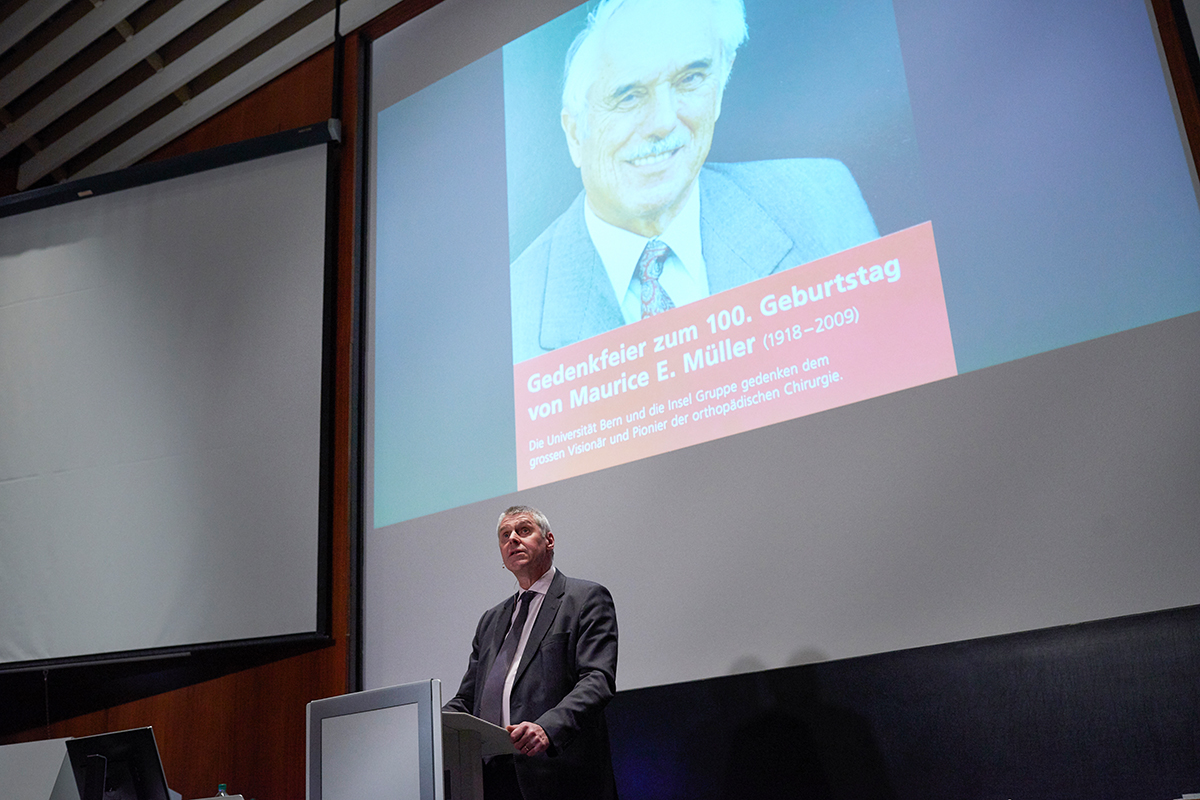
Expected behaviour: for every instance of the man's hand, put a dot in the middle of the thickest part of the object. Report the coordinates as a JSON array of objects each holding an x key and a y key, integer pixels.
[{"x": 528, "y": 738}]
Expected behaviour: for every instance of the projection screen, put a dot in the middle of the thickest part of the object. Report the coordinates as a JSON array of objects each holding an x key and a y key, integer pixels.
[
  {"x": 161, "y": 412},
  {"x": 963, "y": 411}
]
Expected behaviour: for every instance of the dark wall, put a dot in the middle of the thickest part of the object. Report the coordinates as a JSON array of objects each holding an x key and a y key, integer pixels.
[{"x": 1098, "y": 710}]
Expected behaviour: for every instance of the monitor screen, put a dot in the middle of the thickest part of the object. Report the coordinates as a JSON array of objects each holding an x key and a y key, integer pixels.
[{"x": 123, "y": 765}]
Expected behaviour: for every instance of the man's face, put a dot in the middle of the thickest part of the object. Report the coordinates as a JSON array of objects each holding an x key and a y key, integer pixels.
[
  {"x": 525, "y": 550},
  {"x": 651, "y": 108}
]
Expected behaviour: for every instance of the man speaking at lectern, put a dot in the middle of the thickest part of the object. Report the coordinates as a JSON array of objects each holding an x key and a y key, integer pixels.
[
  {"x": 656, "y": 227},
  {"x": 544, "y": 665}
]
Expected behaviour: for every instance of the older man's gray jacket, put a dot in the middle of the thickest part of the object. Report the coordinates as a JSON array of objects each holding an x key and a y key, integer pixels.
[{"x": 756, "y": 218}]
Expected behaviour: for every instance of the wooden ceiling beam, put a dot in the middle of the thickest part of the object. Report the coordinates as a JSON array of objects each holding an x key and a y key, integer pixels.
[
  {"x": 91, "y": 27},
  {"x": 139, "y": 46},
  {"x": 22, "y": 22},
  {"x": 175, "y": 75}
]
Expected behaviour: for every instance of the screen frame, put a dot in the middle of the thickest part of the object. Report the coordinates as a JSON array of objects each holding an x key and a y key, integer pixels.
[{"x": 194, "y": 656}]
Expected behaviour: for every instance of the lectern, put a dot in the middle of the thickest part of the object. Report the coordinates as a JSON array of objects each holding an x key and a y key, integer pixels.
[
  {"x": 466, "y": 742},
  {"x": 396, "y": 743}
]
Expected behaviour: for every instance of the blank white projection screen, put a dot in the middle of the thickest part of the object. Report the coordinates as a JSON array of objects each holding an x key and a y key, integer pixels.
[{"x": 160, "y": 412}]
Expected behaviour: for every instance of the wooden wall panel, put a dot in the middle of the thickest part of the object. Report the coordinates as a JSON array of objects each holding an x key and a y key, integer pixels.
[
  {"x": 302, "y": 96},
  {"x": 1175, "y": 34},
  {"x": 245, "y": 729}
]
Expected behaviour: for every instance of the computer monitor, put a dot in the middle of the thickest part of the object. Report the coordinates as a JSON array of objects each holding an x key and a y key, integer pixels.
[
  {"x": 383, "y": 744},
  {"x": 122, "y": 765}
]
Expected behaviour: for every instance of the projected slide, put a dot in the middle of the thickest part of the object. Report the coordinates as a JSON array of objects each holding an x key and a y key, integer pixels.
[
  {"x": 758, "y": 177},
  {"x": 846, "y": 216}
]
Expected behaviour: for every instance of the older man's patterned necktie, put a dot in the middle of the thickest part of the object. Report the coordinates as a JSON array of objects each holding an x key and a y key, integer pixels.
[
  {"x": 655, "y": 299},
  {"x": 492, "y": 700}
]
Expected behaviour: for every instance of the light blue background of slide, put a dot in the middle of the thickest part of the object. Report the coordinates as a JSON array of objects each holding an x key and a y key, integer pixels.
[
  {"x": 1061, "y": 198},
  {"x": 444, "y": 413}
]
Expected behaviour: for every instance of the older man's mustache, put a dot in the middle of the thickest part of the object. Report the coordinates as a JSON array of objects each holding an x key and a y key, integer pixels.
[{"x": 673, "y": 141}]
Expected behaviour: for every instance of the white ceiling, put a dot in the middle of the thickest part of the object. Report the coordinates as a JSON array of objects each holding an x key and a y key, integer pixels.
[{"x": 90, "y": 86}]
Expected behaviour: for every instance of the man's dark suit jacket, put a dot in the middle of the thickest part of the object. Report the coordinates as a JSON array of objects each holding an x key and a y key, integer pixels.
[
  {"x": 567, "y": 675},
  {"x": 756, "y": 218}
]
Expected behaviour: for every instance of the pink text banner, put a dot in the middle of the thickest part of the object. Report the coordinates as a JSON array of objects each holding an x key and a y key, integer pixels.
[{"x": 851, "y": 326}]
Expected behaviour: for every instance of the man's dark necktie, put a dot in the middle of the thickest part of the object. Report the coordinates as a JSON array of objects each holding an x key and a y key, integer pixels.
[
  {"x": 493, "y": 687},
  {"x": 655, "y": 299}
]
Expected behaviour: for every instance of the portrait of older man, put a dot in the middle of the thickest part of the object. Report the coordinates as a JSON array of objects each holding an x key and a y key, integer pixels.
[{"x": 655, "y": 226}]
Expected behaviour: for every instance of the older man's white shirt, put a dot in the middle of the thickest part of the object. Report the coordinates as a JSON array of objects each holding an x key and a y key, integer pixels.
[{"x": 684, "y": 276}]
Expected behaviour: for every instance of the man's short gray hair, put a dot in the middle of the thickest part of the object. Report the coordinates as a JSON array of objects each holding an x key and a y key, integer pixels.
[
  {"x": 729, "y": 24},
  {"x": 538, "y": 517}
]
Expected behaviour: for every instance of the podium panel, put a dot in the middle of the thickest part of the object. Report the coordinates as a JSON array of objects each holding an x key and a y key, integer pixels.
[{"x": 382, "y": 744}]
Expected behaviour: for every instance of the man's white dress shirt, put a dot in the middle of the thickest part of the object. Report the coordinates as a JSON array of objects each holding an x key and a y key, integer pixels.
[{"x": 539, "y": 587}]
